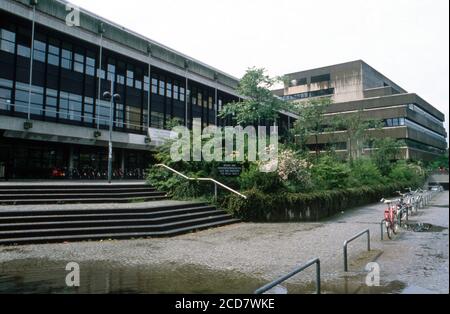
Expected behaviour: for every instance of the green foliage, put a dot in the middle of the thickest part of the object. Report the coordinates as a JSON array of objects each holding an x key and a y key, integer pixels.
[
  {"x": 284, "y": 207},
  {"x": 253, "y": 178},
  {"x": 329, "y": 173},
  {"x": 310, "y": 122},
  {"x": 365, "y": 172},
  {"x": 440, "y": 163},
  {"x": 386, "y": 152},
  {"x": 259, "y": 104},
  {"x": 407, "y": 173}
]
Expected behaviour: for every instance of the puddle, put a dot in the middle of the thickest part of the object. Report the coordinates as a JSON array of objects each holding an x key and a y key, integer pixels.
[
  {"x": 422, "y": 227},
  {"x": 45, "y": 276}
]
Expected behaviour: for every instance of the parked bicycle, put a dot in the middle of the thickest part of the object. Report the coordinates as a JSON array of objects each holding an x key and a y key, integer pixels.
[{"x": 391, "y": 218}]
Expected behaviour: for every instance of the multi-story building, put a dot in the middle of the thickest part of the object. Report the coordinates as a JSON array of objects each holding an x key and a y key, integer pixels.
[
  {"x": 53, "y": 117},
  {"x": 357, "y": 88}
]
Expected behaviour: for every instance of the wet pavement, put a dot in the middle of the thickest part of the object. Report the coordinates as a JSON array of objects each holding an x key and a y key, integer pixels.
[{"x": 241, "y": 258}]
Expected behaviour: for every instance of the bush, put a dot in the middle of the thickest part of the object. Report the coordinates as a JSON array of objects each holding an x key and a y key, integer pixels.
[
  {"x": 407, "y": 173},
  {"x": 329, "y": 173},
  {"x": 253, "y": 178},
  {"x": 365, "y": 172},
  {"x": 286, "y": 207}
]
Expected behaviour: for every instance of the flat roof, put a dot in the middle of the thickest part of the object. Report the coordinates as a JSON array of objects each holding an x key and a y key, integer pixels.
[{"x": 91, "y": 22}]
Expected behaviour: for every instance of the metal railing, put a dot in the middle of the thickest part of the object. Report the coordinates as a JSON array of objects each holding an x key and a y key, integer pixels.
[
  {"x": 293, "y": 273},
  {"x": 216, "y": 183},
  {"x": 346, "y": 243}
]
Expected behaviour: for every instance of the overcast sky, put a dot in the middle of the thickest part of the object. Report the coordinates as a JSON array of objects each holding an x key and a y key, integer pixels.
[{"x": 407, "y": 40}]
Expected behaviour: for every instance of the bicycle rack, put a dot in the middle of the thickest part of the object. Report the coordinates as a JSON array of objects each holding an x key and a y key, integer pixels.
[
  {"x": 382, "y": 229},
  {"x": 293, "y": 273},
  {"x": 346, "y": 243}
]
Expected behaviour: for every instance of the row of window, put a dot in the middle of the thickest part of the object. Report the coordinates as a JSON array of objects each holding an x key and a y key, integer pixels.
[{"x": 318, "y": 93}]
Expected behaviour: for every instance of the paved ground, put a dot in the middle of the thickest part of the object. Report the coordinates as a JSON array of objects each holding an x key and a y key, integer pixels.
[{"x": 417, "y": 262}]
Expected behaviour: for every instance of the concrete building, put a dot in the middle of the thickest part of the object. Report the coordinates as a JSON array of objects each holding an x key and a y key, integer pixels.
[
  {"x": 58, "y": 125},
  {"x": 357, "y": 88}
]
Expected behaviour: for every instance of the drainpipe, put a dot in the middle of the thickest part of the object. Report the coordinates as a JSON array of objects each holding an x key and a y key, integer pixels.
[
  {"x": 33, "y": 3},
  {"x": 101, "y": 30},
  {"x": 186, "y": 114},
  {"x": 149, "y": 50},
  {"x": 216, "y": 105}
]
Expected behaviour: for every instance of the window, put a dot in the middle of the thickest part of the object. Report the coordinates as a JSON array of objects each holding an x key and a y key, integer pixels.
[
  {"x": 175, "y": 91},
  {"x": 53, "y": 52},
  {"x": 121, "y": 72},
  {"x": 7, "y": 40},
  {"x": 130, "y": 78},
  {"x": 111, "y": 71},
  {"x": 321, "y": 78},
  {"x": 90, "y": 63},
  {"x": 169, "y": 90},
  {"x": 40, "y": 50},
  {"x": 182, "y": 95},
  {"x": 146, "y": 83},
  {"x": 5, "y": 94},
  {"x": 162, "y": 87},
  {"x": 79, "y": 63},
  {"x": 67, "y": 57},
  {"x": 138, "y": 79},
  {"x": 88, "y": 110},
  {"x": 154, "y": 86},
  {"x": 51, "y": 101}
]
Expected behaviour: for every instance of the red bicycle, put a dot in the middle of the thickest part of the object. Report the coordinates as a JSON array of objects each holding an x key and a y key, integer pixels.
[{"x": 390, "y": 218}]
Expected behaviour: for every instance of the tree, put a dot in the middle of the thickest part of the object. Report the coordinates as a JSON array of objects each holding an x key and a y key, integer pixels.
[
  {"x": 259, "y": 104},
  {"x": 310, "y": 122},
  {"x": 356, "y": 126},
  {"x": 386, "y": 152}
]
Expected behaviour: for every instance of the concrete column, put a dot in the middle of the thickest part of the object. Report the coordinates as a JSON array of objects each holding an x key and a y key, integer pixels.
[
  {"x": 123, "y": 160},
  {"x": 71, "y": 165}
]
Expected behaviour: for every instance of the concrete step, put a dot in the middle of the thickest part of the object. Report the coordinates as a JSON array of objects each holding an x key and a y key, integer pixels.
[
  {"x": 118, "y": 236},
  {"x": 84, "y": 195},
  {"x": 107, "y": 214},
  {"x": 87, "y": 222},
  {"x": 63, "y": 232},
  {"x": 82, "y": 200},
  {"x": 75, "y": 190}
]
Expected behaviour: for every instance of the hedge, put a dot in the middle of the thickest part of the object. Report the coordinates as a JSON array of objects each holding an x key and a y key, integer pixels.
[{"x": 291, "y": 207}]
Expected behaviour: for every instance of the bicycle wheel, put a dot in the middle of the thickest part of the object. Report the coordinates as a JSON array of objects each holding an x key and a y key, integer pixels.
[
  {"x": 389, "y": 230},
  {"x": 395, "y": 226}
]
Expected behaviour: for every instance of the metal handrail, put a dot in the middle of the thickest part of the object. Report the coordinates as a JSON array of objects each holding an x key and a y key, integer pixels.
[
  {"x": 293, "y": 273},
  {"x": 346, "y": 243},
  {"x": 216, "y": 183}
]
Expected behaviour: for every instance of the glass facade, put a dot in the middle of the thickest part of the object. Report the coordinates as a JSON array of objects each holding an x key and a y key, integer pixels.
[{"x": 67, "y": 79}]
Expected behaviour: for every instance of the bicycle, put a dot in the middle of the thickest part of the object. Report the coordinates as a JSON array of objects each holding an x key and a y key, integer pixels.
[{"x": 390, "y": 218}]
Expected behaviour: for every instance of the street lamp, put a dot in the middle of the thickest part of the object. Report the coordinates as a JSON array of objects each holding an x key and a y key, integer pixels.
[{"x": 111, "y": 97}]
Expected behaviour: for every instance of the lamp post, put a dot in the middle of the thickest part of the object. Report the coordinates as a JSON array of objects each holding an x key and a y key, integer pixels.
[{"x": 111, "y": 97}]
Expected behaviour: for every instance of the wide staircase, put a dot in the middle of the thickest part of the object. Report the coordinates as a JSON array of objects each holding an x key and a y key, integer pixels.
[{"x": 98, "y": 212}]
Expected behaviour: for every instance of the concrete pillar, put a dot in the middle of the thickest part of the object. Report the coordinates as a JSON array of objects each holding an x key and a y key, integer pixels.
[
  {"x": 123, "y": 160},
  {"x": 71, "y": 165}
]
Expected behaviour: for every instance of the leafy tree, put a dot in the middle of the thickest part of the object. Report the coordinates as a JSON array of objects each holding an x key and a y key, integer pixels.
[
  {"x": 440, "y": 162},
  {"x": 310, "y": 122},
  {"x": 329, "y": 173},
  {"x": 259, "y": 104},
  {"x": 386, "y": 152},
  {"x": 356, "y": 126},
  {"x": 365, "y": 172}
]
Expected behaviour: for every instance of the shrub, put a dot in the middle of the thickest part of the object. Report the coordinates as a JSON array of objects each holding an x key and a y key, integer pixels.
[
  {"x": 285, "y": 207},
  {"x": 329, "y": 173},
  {"x": 406, "y": 172},
  {"x": 365, "y": 172}
]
